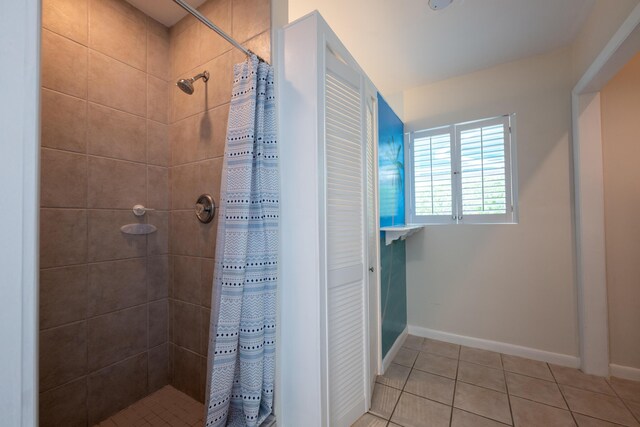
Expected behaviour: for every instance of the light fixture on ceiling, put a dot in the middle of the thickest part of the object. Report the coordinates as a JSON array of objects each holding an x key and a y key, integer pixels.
[{"x": 439, "y": 4}]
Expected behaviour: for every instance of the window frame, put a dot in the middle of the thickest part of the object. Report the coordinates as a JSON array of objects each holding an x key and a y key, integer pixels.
[{"x": 457, "y": 216}]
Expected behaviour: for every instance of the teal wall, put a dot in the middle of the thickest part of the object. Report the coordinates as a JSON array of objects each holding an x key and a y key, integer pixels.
[
  {"x": 393, "y": 296},
  {"x": 393, "y": 278}
]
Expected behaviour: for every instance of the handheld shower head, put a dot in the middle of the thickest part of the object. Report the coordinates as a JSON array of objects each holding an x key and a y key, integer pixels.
[{"x": 186, "y": 85}]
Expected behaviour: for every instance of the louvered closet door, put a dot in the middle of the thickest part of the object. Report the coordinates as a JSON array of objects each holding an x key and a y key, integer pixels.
[{"x": 345, "y": 245}]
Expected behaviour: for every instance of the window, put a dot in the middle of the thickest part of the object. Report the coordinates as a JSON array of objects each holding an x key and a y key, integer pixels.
[{"x": 463, "y": 173}]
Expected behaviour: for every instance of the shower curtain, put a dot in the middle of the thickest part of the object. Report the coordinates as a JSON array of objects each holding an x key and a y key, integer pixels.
[{"x": 241, "y": 363}]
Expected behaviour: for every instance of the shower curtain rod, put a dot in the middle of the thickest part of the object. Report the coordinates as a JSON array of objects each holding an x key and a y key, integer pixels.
[{"x": 200, "y": 17}]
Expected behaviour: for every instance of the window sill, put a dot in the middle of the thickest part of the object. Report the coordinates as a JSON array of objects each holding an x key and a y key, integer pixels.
[{"x": 401, "y": 232}]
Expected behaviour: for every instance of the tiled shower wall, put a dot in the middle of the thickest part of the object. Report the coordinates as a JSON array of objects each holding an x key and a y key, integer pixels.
[
  {"x": 103, "y": 294},
  {"x": 197, "y": 132}
]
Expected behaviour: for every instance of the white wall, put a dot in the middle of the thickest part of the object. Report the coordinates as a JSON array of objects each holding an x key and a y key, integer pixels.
[
  {"x": 508, "y": 283},
  {"x": 603, "y": 21}
]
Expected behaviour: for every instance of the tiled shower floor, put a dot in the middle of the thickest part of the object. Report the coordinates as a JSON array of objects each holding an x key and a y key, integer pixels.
[
  {"x": 432, "y": 383},
  {"x": 165, "y": 407}
]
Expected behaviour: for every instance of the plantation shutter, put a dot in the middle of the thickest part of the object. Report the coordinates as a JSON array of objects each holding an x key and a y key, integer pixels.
[
  {"x": 483, "y": 178},
  {"x": 432, "y": 170}
]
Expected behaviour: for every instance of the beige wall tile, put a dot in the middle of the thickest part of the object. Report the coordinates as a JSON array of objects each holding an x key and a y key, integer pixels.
[
  {"x": 63, "y": 179},
  {"x": 63, "y": 121},
  {"x": 158, "y": 322},
  {"x": 210, "y": 175},
  {"x": 115, "y": 285},
  {"x": 158, "y": 187},
  {"x": 65, "y": 405},
  {"x": 158, "y": 277},
  {"x": 67, "y": 18},
  {"x": 116, "y": 387},
  {"x": 184, "y": 139},
  {"x": 64, "y": 65},
  {"x": 213, "y": 131},
  {"x": 158, "y": 242},
  {"x": 183, "y": 105},
  {"x": 119, "y": 30},
  {"x": 63, "y": 354},
  {"x": 204, "y": 328},
  {"x": 107, "y": 242},
  {"x": 187, "y": 274},
  {"x": 113, "y": 133},
  {"x": 250, "y": 18},
  {"x": 157, "y": 99},
  {"x": 158, "y": 48},
  {"x": 260, "y": 45},
  {"x": 206, "y": 284},
  {"x": 158, "y": 148},
  {"x": 117, "y": 85},
  {"x": 211, "y": 44},
  {"x": 207, "y": 234},
  {"x": 184, "y": 186},
  {"x": 185, "y": 51},
  {"x": 63, "y": 237},
  {"x": 221, "y": 69},
  {"x": 116, "y": 336},
  {"x": 187, "y": 371},
  {"x": 63, "y": 295},
  {"x": 115, "y": 184},
  {"x": 186, "y": 320},
  {"x": 158, "y": 367}
]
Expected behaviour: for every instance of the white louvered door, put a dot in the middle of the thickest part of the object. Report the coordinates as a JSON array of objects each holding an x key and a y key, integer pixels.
[{"x": 347, "y": 356}]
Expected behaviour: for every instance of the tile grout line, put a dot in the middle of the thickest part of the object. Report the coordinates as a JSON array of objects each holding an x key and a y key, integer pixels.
[
  {"x": 637, "y": 418},
  {"x": 506, "y": 386},
  {"x": 455, "y": 386}
]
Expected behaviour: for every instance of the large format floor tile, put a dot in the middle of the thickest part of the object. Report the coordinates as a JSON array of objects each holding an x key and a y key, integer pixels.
[{"x": 432, "y": 383}]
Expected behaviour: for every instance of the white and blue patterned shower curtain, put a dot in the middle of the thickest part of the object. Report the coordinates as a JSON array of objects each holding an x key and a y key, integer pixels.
[{"x": 241, "y": 365}]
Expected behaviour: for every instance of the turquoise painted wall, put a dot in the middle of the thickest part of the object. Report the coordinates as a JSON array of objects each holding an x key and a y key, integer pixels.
[{"x": 393, "y": 258}]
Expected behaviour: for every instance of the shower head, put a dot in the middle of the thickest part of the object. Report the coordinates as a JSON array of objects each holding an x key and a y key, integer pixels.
[{"x": 186, "y": 85}]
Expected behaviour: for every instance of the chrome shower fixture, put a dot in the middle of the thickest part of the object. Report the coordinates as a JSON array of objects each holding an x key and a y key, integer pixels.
[{"x": 186, "y": 85}]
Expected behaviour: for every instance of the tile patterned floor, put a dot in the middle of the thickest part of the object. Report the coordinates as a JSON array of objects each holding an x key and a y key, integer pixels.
[
  {"x": 433, "y": 383},
  {"x": 165, "y": 407}
]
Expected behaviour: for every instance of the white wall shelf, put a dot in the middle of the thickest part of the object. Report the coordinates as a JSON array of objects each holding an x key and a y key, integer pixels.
[{"x": 401, "y": 232}]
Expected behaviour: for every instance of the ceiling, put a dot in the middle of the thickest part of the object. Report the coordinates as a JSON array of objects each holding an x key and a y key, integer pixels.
[
  {"x": 164, "y": 11},
  {"x": 403, "y": 43}
]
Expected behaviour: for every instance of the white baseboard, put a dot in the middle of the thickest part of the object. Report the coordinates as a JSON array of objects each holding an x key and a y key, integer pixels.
[
  {"x": 393, "y": 351},
  {"x": 501, "y": 347},
  {"x": 626, "y": 372}
]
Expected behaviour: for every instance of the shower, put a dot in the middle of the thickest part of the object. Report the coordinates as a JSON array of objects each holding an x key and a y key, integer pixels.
[{"x": 186, "y": 85}]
